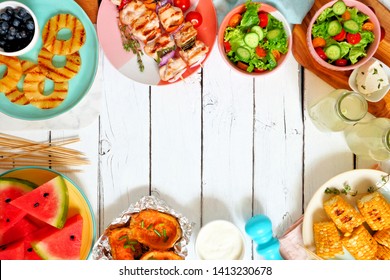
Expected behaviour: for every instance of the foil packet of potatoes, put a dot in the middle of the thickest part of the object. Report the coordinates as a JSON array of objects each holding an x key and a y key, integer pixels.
[{"x": 102, "y": 249}]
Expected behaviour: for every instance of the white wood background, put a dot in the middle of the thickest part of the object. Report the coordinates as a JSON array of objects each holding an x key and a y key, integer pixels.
[{"x": 215, "y": 146}]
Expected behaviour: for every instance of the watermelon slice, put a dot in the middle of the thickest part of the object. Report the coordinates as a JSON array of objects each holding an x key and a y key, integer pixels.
[
  {"x": 62, "y": 244},
  {"x": 21, "y": 229},
  {"x": 10, "y": 189},
  {"x": 12, "y": 251},
  {"x": 29, "y": 253},
  {"x": 48, "y": 202}
]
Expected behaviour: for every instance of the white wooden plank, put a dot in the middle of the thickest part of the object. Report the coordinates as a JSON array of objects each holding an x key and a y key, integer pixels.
[
  {"x": 124, "y": 144},
  {"x": 176, "y": 146},
  {"x": 326, "y": 153},
  {"x": 278, "y": 146},
  {"x": 227, "y": 145},
  {"x": 86, "y": 179}
]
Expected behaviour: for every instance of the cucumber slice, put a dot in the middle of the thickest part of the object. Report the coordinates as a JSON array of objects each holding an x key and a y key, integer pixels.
[
  {"x": 334, "y": 28},
  {"x": 274, "y": 34},
  {"x": 259, "y": 31},
  {"x": 351, "y": 26},
  {"x": 251, "y": 39},
  {"x": 339, "y": 8},
  {"x": 333, "y": 52},
  {"x": 243, "y": 53}
]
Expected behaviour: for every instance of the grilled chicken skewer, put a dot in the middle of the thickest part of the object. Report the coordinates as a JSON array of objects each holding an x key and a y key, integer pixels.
[{"x": 174, "y": 46}]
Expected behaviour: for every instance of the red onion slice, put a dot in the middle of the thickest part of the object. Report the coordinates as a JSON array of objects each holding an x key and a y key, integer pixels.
[{"x": 165, "y": 58}]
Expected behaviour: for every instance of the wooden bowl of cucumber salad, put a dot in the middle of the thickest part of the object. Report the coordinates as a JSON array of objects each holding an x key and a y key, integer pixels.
[
  {"x": 343, "y": 35},
  {"x": 254, "y": 39}
]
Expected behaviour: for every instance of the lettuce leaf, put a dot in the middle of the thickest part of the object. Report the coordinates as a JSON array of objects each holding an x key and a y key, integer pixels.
[
  {"x": 235, "y": 37},
  {"x": 357, "y": 16},
  {"x": 325, "y": 15},
  {"x": 320, "y": 30},
  {"x": 355, "y": 53},
  {"x": 250, "y": 17}
]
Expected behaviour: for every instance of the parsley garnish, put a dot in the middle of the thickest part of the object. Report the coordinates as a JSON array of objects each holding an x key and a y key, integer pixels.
[
  {"x": 384, "y": 180},
  {"x": 346, "y": 190},
  {"x": 131, "y": 44}
]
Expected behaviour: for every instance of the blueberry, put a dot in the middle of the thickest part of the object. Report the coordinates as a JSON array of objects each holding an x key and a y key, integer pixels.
[
  {"x": 18, "y": 36},
  {"x": 2, "y": 43},
  {"x": 26, "y": 17},
  {"x": 23, "y": 34},
  {"x": 9, "y": 10},
  {"x": 16, "y": 22},
  {"x": 12, "y": 31},
  {"x": 4, "y": 25},
  {"x": 10, "y": 37},
  {"x": 22, "y": 12},
  {"x": 5, "y": 16},
  {"x": 30, "y": 25}
]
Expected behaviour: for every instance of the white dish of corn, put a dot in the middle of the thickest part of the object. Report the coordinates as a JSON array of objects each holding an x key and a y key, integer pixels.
[{"x": 349, "y": 217}]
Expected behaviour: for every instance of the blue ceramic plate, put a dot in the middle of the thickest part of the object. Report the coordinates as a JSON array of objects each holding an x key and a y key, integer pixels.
[{"x": 78, "y": 85}]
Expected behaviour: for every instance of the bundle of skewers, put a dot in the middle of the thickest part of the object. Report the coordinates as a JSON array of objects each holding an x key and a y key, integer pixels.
[
  {"x": 160, "y": 29},
  {"x": 18, "y": 152}
]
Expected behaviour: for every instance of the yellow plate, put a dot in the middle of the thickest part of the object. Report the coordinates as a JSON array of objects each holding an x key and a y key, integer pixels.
[{"x": 78, "y": 203}]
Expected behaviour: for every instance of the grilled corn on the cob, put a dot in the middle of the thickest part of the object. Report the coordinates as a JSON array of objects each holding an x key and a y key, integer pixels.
[
  {"x": 383, "y": 237},
  {"x": 383, "y": 253},
  {"x": 327, "y": 240},
  {"x": 343, "y": 214},
  {"x": 376, "y": 210},
  {"x": 361, "y": 244}
]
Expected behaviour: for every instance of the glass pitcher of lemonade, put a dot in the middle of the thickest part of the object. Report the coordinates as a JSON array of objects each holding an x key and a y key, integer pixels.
[
  {"x": 338, "y": 110},
  {"x": 370, "y": 139}
]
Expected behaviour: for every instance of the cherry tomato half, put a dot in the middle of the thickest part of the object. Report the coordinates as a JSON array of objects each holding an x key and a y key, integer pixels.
[
  {"x": 341, "y": 36},
  {"x": 321, "y": 53},
  {"x": 123, "y": 4},
  {"x": 341, "y": 62},
  {"x": 353, "y": 39},
  {"x": 184, "y": 5},
  {"x": 235, "y": 20},
  {"x": 227, "y": 46},
  {"x": 260, "y": 52},
  {"x": 242, "y": 65},
  {"x": 263, "y": 17},
  {"x": 195, "y": 18},
  {"x": 259, "y": 70}
]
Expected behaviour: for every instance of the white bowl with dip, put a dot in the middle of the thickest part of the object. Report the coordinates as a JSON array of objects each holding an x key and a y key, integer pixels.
[
  {"x": 373, "y": 96},
  {"x": 220, "y": 240}
]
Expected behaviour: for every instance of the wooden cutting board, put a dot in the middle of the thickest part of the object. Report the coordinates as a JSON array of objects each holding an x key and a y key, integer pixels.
[
  {"x": 90, "y": 7},
  {"x": 339, "y": 79}
]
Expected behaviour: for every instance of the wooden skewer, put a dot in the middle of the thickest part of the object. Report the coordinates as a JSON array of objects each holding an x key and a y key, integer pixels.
[
  {"x": 52, "y": 160},
  {"x": 16, "y": 152},
  {"x": 57, "y": 168},
  {"x": 46, "y": 157},
  {"x": 34, "y": 148},
  {"x": 310, "y": 253}
]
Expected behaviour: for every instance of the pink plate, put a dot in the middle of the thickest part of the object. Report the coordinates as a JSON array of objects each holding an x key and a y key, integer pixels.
[
  {"x": 371, "y": 49},
  {"x": 126, "y": 62}
]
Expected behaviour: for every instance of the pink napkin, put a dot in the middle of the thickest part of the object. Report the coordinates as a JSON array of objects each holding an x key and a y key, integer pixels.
[{"x": 291, "y": 242}]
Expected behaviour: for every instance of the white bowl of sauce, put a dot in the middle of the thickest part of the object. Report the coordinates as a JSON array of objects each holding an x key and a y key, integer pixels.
[{"x": 220, "y": 240}]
